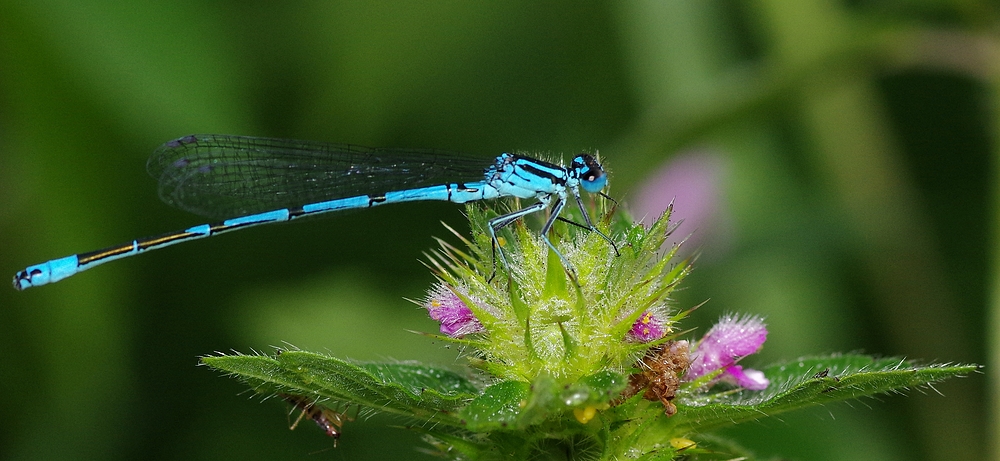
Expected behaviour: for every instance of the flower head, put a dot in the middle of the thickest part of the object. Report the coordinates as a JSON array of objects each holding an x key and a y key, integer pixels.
[
  {"x": 456, "y": 318},
  {"x": 561, "y": 312},
  {"x": 730, "y": 340}
]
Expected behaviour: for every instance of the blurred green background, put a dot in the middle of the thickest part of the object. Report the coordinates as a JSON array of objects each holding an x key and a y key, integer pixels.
[{"x": 856, "y": 182}]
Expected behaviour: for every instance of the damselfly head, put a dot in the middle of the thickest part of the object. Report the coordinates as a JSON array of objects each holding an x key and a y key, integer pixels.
[{"x": 591, "y": 174}]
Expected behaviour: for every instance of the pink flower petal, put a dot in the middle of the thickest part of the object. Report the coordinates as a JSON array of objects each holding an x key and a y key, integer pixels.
[
  {"x": 648, "y": 327},
  {"x": 731, "y": 339},
  {"x": 748, "y": 378},
  {"x": 456, "y": 318}
]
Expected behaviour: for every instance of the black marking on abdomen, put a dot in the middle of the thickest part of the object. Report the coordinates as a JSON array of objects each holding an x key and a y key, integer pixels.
[
  {"x": 373, "y": 199},
  {"x": 134, "y": 246},
  {"x": 87, "y": 258},
  {"x": 167, "y": 239},
  {"x": 462, "y": 187}
]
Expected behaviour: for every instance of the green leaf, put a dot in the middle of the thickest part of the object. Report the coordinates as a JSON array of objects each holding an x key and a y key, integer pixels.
[
  {"x": 509, "y": 405},
  {"x": 498, "y": 407},
  {"x": 408, "y": 389},
  {"x": 418, "y": 378},
  {"x": 600, "y": 387},
  {"x": 555, "y": 276},
  {"x": 807, "y": 382},
  {"x": 512, "y": 405}
]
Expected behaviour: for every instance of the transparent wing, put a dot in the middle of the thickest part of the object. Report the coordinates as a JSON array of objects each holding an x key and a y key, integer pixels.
[{"x": 222, "y": 176}]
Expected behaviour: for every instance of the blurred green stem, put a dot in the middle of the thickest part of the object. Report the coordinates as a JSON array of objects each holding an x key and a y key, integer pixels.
[
  {"x": 993, "y": 308},
  {"x": 855, "y": 154},
  {"x": 823, "y": 61},
  {"x": 678, "y": 119}
]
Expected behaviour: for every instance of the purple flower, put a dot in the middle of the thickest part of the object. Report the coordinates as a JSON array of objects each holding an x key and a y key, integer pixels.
[
  {"x": 730, "y": 340},
  {"x": 694, "y": 181},
  {"x": 749, "y": 378},
  {"x": 456, "y": 318},
  {"x": 648, "y": 327}
]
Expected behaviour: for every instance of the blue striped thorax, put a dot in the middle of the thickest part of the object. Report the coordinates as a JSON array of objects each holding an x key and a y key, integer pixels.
[{"x": 525, "y": 177}]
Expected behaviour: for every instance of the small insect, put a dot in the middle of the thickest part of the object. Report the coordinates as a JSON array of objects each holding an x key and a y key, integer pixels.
[
  {"x": 328, "y": 420},
  {"x": 662, "y": 366}
]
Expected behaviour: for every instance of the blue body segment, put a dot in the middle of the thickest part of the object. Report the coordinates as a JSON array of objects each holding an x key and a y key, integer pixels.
[{"x": 264, "y": 180}]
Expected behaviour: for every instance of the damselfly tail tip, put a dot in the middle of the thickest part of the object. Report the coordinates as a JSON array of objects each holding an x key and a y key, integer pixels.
[
  {"x": 47, "y": 272},
  {"x": 22, "y": 280}
]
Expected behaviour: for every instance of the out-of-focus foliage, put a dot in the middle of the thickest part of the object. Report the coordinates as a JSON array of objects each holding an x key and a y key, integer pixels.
[{"x": 852, "y": 142}]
